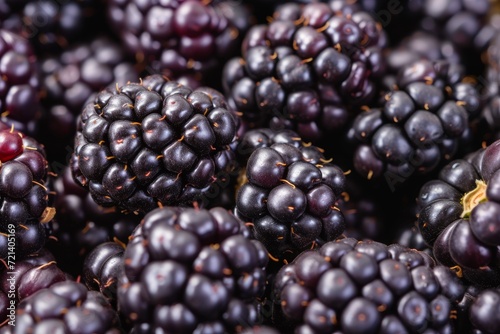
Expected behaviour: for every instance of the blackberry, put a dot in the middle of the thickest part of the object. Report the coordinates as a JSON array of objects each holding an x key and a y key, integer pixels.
[
  {"x": 102, "y": 267},
  {"x": 65, "y": 307},
  {"x": 290, "y": 193},
  {"x": 70, "y": 78},
  {"x": 179, "y": 257},
  {"x": 19, "y": 96},
  {"x": 153, "y": 143},
  {"x": 484, "y": 310},
  {"x": 26, "y": 277},
  {"x": 25, "y": 214},
  {"x": 184, "y": 40},
  {"x": 80, "y": 225},
  {"x": 308, "y": 69},
  {"x": 458, "y": 217},
  {"x": 419, "y": 127},
  {"x": 352, "y": 286}
]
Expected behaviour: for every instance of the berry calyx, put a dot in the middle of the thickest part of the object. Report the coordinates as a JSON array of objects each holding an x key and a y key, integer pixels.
[{"x": 473, "y": 198}]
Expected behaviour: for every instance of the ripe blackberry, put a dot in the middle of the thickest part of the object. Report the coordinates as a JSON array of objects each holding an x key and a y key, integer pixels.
[
  {"x": 352, "y": 286},
  {"x": 307, "y": 69},
  {"x": 19, "y": 95},
  {"x": 102, "y": 268},
  {"x": 191, "y": 270},
  {"x": 153, "y": 143},
  {"x": 65, "y": 307},
  {"x": 458, "y": 216},
  {"x": 289, "y": 194},
  {"x": 37, "y": 271},
  {"x": 25, "y": 213},
  {"x": 80, "y": 225},
  {"x": 181, "y": 39},
  {"x": 420, "y": 125},
  {"x": 70, "y": 78}
]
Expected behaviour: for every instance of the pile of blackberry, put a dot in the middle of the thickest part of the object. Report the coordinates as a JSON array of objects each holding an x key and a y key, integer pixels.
[
  {"x": 246, "y": 167},
  {"x": 307, "y": 69}
]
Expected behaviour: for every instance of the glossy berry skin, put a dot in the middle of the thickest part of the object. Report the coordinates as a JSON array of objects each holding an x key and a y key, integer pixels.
[
  {"x": 20, "y": 73},
  {"x": 183, "y": 40},
  {"x": 307, "y": 68},
  {"x": 153, "y": 143},
  {"x": 290, "y": 193},
  {"x": 102, "y": 268},
  {"x": 179, "y": 257},
  {"x": 36, "y": 272},
  {"x": 420, "y": 125},
  {"x": 66, "y": 307},
  {"x": 25, "y": 211},
  {"x": 70, "y": 78},
  {"x": 353, "y": 286},
  {"x": 483, "y": 311},
  {"x": 459, "y": 215}
]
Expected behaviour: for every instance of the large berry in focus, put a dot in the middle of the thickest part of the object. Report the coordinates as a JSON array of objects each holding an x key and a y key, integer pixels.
[
  {"x": 353, "y": 286},
  {"x": 192, "y": 270},
  {"x": 153, "y": 143},
  {"x": 289, "y": 193}
]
